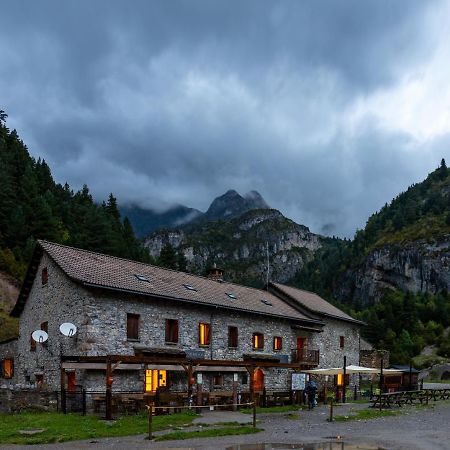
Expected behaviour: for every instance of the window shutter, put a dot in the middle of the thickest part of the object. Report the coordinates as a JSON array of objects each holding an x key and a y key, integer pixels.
[
  {"x": 32, "y": 344},
  {"x": 44, "y": 276},
  {"x": 133, "y": 326},
  {"x": 208, "y": 334},
  {"x": 168, "y": 331},
  {"x": 175, "y": 331}
]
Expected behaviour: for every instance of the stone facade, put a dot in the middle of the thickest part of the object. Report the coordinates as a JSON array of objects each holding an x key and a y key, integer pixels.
[
  {"x": 101, "y": 318},
  {"x": 8, "y": 349}
]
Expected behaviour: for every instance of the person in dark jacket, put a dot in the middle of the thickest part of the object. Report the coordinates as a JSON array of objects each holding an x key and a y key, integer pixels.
[{"x": 310, "y": 391}]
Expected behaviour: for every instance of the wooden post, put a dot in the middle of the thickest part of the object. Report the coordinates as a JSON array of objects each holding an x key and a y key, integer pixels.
[
  {"x": 63, "y": 390},
  {"x": 343, "y": 381},
  {"x": 355, "y": 393},
  {"x": 410, "y": 375},
  {"x": 426, "y": 396},
  {"x": 251, "y": 371},
  {"x": 235, "y": 393},
  {"x": 150, "y": 421},
  {"x": 254, "y": 415},
  {"x": 83, "y": 399},
  {"x": 331, "y": 409},
  {"x": 108, "y": 396},
  {"x": 189, "y": 376},
  {"x": 199, "y": 394}
]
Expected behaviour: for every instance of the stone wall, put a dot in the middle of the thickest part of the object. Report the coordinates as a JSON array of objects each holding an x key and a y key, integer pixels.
[
  {"x": 12, "y": 400},
  {"x": 372, "y": 358}
]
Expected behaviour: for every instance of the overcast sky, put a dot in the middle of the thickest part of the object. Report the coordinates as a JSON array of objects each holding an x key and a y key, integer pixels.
[{"x": 327, "y": 108}]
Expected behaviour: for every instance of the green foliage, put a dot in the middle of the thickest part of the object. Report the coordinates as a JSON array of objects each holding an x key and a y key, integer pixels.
[
  {"x": 404, "y": 323},
  {"x": 69, "y": 427},
  {"x": 211, "y": 432},
  {"x": 33, "y": 206}
]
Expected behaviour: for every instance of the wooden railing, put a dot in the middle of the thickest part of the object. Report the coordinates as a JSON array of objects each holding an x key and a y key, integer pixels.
[{"x": 305, "y": 356}]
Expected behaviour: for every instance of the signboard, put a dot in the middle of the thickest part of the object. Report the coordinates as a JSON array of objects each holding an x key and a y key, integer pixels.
[
  {"x": 199, "y": 378},
  {"x": 298, "y": 381},
  {"x": 235, "y": 377}
]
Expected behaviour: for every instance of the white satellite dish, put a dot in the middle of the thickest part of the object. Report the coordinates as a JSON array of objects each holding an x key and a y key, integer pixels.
[
  {"x": 39, "y": 336},
  {"x": 68, "y": 329}
]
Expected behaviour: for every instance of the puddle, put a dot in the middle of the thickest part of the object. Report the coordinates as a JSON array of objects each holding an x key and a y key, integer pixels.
[{"x": 315, "y": 446}]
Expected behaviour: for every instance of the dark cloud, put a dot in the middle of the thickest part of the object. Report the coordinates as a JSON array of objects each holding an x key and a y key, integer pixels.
[{"x": 163, "y": 102}]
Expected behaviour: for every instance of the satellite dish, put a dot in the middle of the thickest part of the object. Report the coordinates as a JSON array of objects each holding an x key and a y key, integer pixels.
[
  {"x": 39, "y": 336},
  {"x": 68, "y": 329}
]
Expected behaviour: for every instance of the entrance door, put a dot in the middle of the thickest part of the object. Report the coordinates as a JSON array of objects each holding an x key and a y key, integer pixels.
[
  {"x": 258, "y": 380},
  {"x": 71, "y": 381}
]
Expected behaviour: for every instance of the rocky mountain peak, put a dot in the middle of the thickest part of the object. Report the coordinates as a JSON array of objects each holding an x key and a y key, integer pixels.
[{"x": 232, "y": 204}]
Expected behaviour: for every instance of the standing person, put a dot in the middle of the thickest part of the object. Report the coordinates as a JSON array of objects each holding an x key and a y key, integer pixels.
[{"x": 310, "y": 391}]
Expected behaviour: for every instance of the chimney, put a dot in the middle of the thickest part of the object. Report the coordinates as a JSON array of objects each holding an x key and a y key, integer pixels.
[{"x": 215, "y": 273}]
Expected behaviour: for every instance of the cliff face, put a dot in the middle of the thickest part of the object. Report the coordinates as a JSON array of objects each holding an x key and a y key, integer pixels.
[
  {"x": 418, "y": 266},
  {"x": 240, "y": 246}
]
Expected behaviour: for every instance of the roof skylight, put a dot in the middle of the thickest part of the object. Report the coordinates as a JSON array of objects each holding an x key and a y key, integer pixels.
[
  {"x": 231, "y": 295},
  {"x": 266, "y": 302},
  {"x": 189, "y": 287},
  {"x": 141, "y": 277}
]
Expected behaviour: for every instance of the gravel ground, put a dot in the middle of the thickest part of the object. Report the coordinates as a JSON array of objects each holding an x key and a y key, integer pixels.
[{"x": 416, "y": 428}]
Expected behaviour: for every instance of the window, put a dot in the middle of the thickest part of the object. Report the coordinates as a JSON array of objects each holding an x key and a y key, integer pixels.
[
  {"x": 341, "y": 341},
  {"x": 8, "y": 368},
  {"x": 204, "y": 333},
  {"x": 39, "y": 380},
  {"x": 232, "y": 337},
  {"x": 258, "y": 341},
  {"x": 44, "y": 276},
  {"x": 155, "y": 379},
  {"x": 141, "y": 277},
  {"x": 339, "y": 379},
  {"x": 231, "y": 295},
  {"x": 32, "y": 344},
  {"x": 277, "y": 343},
  {"x": 244, "y": 378},
  {"x": 133, "y": 327},
  {"x": 190, "y": 287},
  {"x": 218, "y": 380},
  {"x": 44, "y": 327},
  {"x": 172, "y": 331},
  {"x": 266, "y": 302}
]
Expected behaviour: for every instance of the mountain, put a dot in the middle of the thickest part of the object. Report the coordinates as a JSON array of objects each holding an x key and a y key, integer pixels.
[
  {"x": 145, "y": 221},
  {"x": 224, "y": 207},
  {"x": 239, "y": 245},
  {"x": 231, "y": 205}
]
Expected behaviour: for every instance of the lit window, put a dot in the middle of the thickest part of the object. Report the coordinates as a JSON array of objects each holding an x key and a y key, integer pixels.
[
  {"x": 341, "y": 341},
  {"x": 142, "y": 278},
  {"x": 231, "y": 295},
  {"x": 204, "y": 333},
  {"x": 44, "y": 276},
  {"x": 277, "y": 343},
  {"x": 258, "y": 341},
  {"x": 155, "y": 379},
  {"x": 190, "y": 287},
  {"x": 266, "y": 302},
  {"x": 7, "y": 368},
  {"x": 172, "y": 330},
  {"x": 232, "y": 337}
]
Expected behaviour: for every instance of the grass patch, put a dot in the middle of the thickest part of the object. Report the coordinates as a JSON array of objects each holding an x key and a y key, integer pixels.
[
  {"x": 366, "y": 414},
  {"x": 213, "y": 432},
  {"x": 272, "y": 409},
  {"x": 69, "y": 427}
]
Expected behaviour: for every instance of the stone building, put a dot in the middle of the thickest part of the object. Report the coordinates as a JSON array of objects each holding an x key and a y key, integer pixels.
[{"x": 127, "y": 308}]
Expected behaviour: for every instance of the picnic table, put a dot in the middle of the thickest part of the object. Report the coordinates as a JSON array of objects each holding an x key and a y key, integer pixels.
[{"x": 400, "y": 398}]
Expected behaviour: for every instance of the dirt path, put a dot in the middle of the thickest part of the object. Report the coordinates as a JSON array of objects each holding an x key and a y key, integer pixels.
[{"x": 417, "y": 428}]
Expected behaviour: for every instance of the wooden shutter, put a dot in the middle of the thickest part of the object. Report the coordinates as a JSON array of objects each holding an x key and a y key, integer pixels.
[
  {"x": 44, "y": 327},
  {"x": 32, "y": 344},
  {"x": 44, "y": 276},
  {"x": 232, "y": 337},
  {"x": 208, "y": 333},
  {"x": 168, "y": 330},
  {"x": 172, "y": 330},
  {"x": 133, "y": 326},
  {"x": 175, "y": 331}
]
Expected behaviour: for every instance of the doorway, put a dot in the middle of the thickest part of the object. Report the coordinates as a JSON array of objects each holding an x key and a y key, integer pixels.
[{"x": 258, "y": 380}]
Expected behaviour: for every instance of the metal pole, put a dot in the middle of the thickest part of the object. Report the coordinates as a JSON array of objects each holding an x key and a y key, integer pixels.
[
  {"x": 343, "y": 381},
  {"x": 108, "y": 396},
  {"x": 83, "y": 393},
  {"x": 254, "y": 414},
  {"x": 331, "y": 410},
  {"x": 410, "y": 375},
  {"x": 381, "y": 378}
]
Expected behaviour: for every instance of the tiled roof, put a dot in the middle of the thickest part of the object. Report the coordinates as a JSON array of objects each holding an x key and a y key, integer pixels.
[
  {"x": 312, "y": 302},
  {"x": 103, "y": 271}
]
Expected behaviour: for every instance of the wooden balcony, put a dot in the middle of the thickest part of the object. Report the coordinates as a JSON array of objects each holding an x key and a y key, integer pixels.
[{"x": 305, "y": 356}]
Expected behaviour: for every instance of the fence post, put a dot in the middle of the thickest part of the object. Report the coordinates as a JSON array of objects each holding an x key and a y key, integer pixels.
[
  {"x": 150, "y": 421},
  {"x": 426, "y": 396},
  {"x": 254, "y": 414},
  {"x": 83, "y": 399},
  {"x": 355, "y": 393}
]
